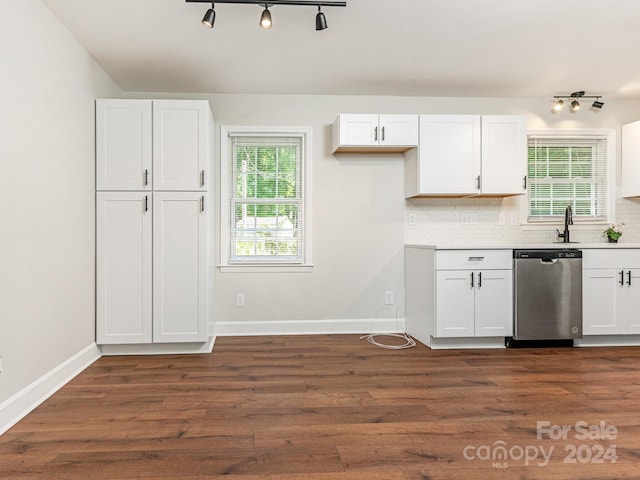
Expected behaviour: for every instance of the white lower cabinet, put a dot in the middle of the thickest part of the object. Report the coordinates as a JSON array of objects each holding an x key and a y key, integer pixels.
[
  {"x": 474, "y": 303},
  {"x": 151, "y": 267},
  {"x": 611, "y": 292},
  {"x": 459, "y": 298}
]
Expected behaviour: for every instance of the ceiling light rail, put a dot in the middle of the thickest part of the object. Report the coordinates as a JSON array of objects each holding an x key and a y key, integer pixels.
[
  {"x": 574, "y": 106},
  {"x": 265, "y": 18}
]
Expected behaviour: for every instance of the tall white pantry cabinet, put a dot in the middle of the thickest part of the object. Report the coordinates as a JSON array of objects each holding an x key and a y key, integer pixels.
[{"x": 152, "y": 162}]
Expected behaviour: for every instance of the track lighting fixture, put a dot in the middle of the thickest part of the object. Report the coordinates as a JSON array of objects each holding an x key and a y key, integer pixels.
[
  {"x": 209, "y": 17},
  {"x": 265, "y": 18},
  {"x": 321, "y": 21},
  {"x": 574, "y": 106}
]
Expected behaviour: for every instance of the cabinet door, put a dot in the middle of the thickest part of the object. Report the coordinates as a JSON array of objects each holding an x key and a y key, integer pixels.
[
  {"x": 494, "y": 303},
  {"x": 123, "y": 267},
  {"x": 601, "y": 301},
  {"x": 179, "y": 267},
  {"x": 630, "y": 152},
  {"x": 180, "y": 144},
  {"x": 504, "y": 154},
  {"x": 449, "y": 154},
  {"x": 123, "y": 144},
  {"x": 359, "y": 130},
  {"x": 455, "y": 303},
  {"x": 398, "y": 130},
  {"x": 631, "y": 302}
]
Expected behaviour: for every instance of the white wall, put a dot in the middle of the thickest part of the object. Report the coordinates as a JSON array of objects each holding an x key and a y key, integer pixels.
[
  {"x": 360, "y": 217},
  {"x": 47, "y": 89}
]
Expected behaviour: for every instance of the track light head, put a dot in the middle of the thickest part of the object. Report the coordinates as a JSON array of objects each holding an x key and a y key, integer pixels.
[
  {"x": 321, "y": 21},
  {"x": 557, "y": 105},
  {"x": 575, "y": 106},
  {"x": 265, "y": 18},
  {"x": 597, "y": 105},
  {"x": 210, "y": 17}
]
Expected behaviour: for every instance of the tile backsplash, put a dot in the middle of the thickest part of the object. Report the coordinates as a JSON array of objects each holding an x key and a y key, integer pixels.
[{"x": 499, "y": 221}]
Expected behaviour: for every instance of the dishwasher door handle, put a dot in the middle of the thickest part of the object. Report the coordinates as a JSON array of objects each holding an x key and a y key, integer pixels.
[{"x": 548, "y": 261}]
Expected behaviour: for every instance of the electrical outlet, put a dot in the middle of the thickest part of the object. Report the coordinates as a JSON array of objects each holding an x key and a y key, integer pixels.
[
  {"x": 473, "y": 218},
  {"x": 513, "y": 219},
  {"x": 412, "y": 219},
  {"x": 388, "y": 297},
  {"x": 464, "y": 219},
  {"x": 239, "y": 299}
]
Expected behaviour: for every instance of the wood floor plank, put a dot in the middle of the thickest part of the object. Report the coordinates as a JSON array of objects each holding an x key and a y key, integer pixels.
[{"x": 332, "y": 407}]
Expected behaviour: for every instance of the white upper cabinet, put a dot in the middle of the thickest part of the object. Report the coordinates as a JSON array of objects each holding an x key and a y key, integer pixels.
[
  {"x": 180, "y": 144},
  {"x": 504, "y": 155},
  {"x": 374, "y": 133},
  {"x": 464, "y": 155},
  {"x": 630, "y": 160},
  {"x": 123, "y": 144},
  {"x": 449, "y": 156},
  {"x": 145, "y": 144}
]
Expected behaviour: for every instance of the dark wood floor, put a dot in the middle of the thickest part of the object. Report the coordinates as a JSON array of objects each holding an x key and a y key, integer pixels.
[{"x": 336, "y": 407}]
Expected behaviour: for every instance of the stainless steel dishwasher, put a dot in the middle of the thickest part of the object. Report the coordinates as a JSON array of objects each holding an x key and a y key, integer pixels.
[{"x": 547, "y": 294}]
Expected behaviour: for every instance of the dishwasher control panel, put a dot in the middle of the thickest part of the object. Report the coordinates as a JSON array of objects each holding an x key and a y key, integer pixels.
[{"x": 548, "y": 253}]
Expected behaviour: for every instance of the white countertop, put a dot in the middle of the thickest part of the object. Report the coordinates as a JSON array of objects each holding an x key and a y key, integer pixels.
[{"x": 530, "y": 246}]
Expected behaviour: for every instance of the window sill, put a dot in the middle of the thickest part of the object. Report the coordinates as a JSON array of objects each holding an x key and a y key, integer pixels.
[{"x": 266, "y": 268}]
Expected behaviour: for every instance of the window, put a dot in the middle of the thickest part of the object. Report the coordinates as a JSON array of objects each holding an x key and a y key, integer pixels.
[
  {"x": 266, "y": 208},
  {"x": 570, "y": 169}
]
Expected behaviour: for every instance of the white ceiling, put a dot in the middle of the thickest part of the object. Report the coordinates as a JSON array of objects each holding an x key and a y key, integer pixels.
[{"x": 466, "y": 48}]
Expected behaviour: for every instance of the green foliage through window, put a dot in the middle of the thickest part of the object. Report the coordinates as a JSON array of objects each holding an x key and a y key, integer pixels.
[
  {"x": 563, "y": 172},
  {"x": 266, "y": 220}
]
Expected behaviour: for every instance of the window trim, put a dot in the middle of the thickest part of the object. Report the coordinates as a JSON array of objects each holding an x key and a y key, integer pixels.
[
  {"x": 262, "y": 265},
  {"x": 558, "y": 134}
]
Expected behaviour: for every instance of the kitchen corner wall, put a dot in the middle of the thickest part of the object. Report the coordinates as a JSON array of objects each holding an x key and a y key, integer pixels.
[
  {"x": 360, "y": 218},
  {"x": 48, "y": 87}
]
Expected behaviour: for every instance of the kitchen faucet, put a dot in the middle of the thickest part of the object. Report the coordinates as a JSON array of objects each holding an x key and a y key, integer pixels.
[{"x": 568, "y": 220}]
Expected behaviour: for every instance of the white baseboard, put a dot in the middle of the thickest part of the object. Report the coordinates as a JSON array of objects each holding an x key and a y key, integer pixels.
[
  {"x": 310, "y": 327},
  {"x": 158, "y": 348},
  {"x": 608, "y": 341},
  {"x": 463, "y": 342},
  {"x": 19, "y": 405}
]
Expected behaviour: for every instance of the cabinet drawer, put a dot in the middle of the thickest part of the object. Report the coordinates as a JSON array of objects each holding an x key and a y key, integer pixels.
[
  {"x": 474, "y": 259},
  {"x": 610, "y": 258}
]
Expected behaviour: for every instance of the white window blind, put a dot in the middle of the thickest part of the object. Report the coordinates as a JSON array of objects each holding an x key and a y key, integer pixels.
[
  {"x": 568, "y": 171},
  {"x": 267, "y": 198}
]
